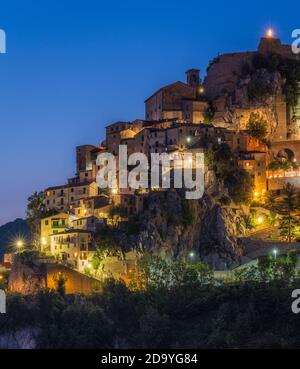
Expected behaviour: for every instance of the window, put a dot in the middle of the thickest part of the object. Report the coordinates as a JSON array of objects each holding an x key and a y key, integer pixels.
[
  {"x": 84, "y": 190},
  {"x": 46, "y": 222},
  {"x": 72, "y": 189}
]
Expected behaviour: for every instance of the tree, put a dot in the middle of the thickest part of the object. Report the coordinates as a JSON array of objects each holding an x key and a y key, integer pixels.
[
  {"x": 288, "y": 207},
  {"x": 287, "y": 227},
  {"x": 275, "y": 165},
  {"x": 60, "y": 280},
  {"x": 189, "y": 212},
  {"x": 117, "y": 212},
  {"x": 257, "y": 126},
  {"x": 223, "y": 160},
  {"x": 159, "y": 273},
  {"x": 240, "y": 185},
  {"x": 36, "y": 210}
]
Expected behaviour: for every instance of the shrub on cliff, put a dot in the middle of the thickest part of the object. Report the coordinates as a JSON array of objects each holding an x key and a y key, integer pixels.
[{"x": 257, "y": 126}]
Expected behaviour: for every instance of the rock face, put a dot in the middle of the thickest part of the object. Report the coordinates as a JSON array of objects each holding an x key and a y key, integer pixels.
[
  {"x": 27, "y": 275},
  {"x": 172, "y": 226},
  {"x": 236, "y": 88}
]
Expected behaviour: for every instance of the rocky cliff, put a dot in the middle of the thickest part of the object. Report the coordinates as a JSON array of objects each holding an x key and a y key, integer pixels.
[
  {"x": 172, "y": 226},
  {"x": 240, "y": 83}
]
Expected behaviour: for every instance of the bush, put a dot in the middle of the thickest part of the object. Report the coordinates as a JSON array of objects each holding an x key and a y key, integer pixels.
[
  {"x": 225, "y": 200},
  {"x": 189, "y": 212},
  {"x": 257, "y": 126}
]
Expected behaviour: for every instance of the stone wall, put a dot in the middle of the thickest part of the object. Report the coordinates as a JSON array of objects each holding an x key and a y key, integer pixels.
[{"x": 27, "y": 277}]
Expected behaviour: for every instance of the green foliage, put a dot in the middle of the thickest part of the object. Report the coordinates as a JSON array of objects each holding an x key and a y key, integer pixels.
[
  {"x": 279, "y": 165},
  {"x": 287, "y": 204},
  {"x": 117, "y": 213},
  {"x": 173, "y": 220},
  {"x": 189, "y": 212},
  {"x": 223, "y": 160},
  {"x": 258, "y": 88},
  {"x": 225, "y": 200},
  {"x": 108, "y": 239},
  {"x": 35, "y": 211},
  {"x": 288, "y": 226},
  {"x": 257, "y": 126},
  {"x": 245, "y": 315},
  {"x": 240, "y": 186},
  {"x": 268, "y": 269},
  {"x": 60, "y": 280},
  {"x": 161, "y": 273},
  {"x": 289, "y": 70},
  {"x": 238, "y": 181}
]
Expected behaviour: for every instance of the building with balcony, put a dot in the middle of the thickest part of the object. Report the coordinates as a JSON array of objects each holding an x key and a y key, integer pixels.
[
  {"x": 51, "y": 225},
  {"x": 73, "y": 247},
  {"x": 66, "y": 197}
]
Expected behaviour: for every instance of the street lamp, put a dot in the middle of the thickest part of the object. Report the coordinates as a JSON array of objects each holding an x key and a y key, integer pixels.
[
  {"x": 192, "y": 254},
  {"x": 275, "y": 253},
  {"x": 260, "y": 220},
  {"x": 19, "y": 244}
]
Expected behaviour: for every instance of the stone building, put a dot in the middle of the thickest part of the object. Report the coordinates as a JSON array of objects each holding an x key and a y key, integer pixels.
[
  {"x": 182, "y": 101},
  {"x": 65, "y": 197},
  {"x": 74, "y": 247}
]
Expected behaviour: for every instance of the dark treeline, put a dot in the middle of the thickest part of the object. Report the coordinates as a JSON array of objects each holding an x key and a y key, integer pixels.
[{"x": 237, "y": 315}]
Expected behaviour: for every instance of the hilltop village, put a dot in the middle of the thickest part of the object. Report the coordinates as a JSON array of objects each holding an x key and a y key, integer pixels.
[{"x": 248, "y": 105}]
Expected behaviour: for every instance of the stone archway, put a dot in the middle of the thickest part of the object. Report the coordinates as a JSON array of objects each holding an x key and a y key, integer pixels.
[{"x": 286, "y": 154}]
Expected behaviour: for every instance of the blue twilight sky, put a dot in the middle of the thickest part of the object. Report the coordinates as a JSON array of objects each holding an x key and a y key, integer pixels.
[{"x": 74, "y": 66}]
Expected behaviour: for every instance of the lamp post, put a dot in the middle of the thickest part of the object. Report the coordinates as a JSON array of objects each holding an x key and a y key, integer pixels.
[
  {"x": 19, "y": 244},
  {"x": 191, "y": 255},
  {"x": 275, "y": 253}
]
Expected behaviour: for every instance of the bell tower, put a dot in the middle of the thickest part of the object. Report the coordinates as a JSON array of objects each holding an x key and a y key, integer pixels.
[{"x": 193, "y": 77}]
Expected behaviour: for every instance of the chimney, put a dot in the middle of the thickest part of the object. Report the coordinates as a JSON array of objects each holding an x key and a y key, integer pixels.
[{"x": 193, "y": 77}]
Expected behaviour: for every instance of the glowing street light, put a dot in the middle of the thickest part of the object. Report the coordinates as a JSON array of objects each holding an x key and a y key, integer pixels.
[
  {"x": 260, "y": 220},
  {"x": 201, "y": 90},
  {"x": 275, "y": 253},
  {"x": 19, "y": 244},
  {"x": 114, "y": 191},
  {"x": 44, "y": 241},
  {"x": 188, "y": 139},
  {"x": 192, "y": 254}
]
